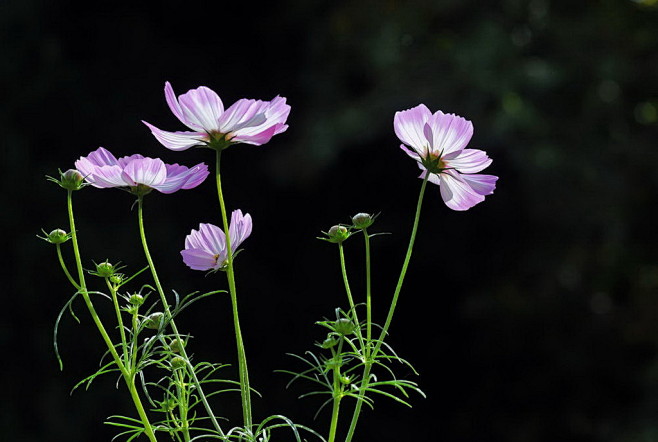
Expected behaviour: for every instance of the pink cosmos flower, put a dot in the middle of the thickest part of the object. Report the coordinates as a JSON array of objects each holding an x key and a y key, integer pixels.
[
  {"x": 205, "y": 249},
  {"x": 138, "y": 173},
  {"x": 438, "y": 143},
  {"x": 245, "y": 121}
]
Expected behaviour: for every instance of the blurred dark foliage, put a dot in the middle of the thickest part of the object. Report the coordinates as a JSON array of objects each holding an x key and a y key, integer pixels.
[{"x": 532, "y": 317}]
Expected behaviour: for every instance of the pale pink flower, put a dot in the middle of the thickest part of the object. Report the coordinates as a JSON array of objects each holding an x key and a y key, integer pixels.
[
  {"x": 137, "y": 173},
  {"x": 201, "y": 110},
  {"x": 438, "y": 143},
  {"x": 205, "y": 249}
]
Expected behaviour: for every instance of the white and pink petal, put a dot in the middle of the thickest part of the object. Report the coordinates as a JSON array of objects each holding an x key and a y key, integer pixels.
[{"x": 177, "y": 141}]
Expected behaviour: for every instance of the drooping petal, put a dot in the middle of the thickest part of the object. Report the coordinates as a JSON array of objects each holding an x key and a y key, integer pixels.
[
  {"x": 201, "y": 109},
  {"x": 468, "y": 160},
  {"x": 408, "y": 125},
  {"x": 410, "y": 152},
  {"x": 180, "y": 177},
  {"x": 199, "y": 259},
  {"x": 256, "y": 139},
  {"x": 150, "y": 172},
  {"x": 448, "y": 133},
  {"x": 177, "y": 140},
  {"x": 482, "y": 184},
  {"x": 457, "y": 193}
]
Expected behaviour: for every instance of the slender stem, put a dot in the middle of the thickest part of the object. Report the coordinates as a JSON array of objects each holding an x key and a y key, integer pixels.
[
  {"x": 117, "y": 309},
  {"x": 128, "y": 376},
  {"x": 165, "y": 306},
  {"x": 337, "y": 393},
  {"x": 350, "y": 299},
  {"x": 368, "y": 291},
  {"x": 66, "y": 270},
  {"x": 245, "y": 389},
  {"x": 366, "y": 371}
]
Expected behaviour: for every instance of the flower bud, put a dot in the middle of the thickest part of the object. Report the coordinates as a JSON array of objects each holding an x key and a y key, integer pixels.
[
  {"x": 71, "y": 180},
  {"x": 176, "y": 345},
  {"x": 338, "y": 234},
  {"x": 57, "y": 236},
  {"x": 344, "y": 326},
  {"x": 178, "y": 362},
  {"x": 117, "y": 278},
  {"x": 362, "y": 220},
  {"x": 136, "y": 300},
  {"x": 154, "y": 320},
  {"x": 104, "y": 269},
  {"x": 331, "y": 341}
]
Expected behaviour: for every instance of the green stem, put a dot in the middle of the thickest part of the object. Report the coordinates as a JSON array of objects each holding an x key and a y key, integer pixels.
[
  {"x": 117, "y": 309},
  {"x": 366, "y": 371},
  {"x": 337, "y": 393},
  {"x": 350, "y": 299},
  {"x": 65, "y": 269},
  {"x": 169, "y": 317},
  {"x": 245, "y": 389},
  {"x": 128, "y": 376},
  {"x": 368, "y": 292}
]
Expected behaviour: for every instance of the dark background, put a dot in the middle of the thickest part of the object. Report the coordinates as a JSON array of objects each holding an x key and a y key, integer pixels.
[{"x": 531, "y": 317}]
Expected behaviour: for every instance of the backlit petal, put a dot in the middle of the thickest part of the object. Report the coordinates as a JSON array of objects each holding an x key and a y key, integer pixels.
[
  {"x": 147, "y": 171},
  {"x": 408, "y": 125},
  {"x": 201, "y": 109},
  {"x": 449, "y": 133},
  {"x": 457, "y": 193},
  {"x": 469, "y": 160},
  {"x": 177, "y": 140}
]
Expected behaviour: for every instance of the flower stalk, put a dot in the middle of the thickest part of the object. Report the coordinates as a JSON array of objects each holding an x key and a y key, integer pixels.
[
  {"x": 369, "y": 361},
  {"x": 165, "y": 306},
  {"x": 128, "y": 375},
  {"x": 245, "y": 389}
]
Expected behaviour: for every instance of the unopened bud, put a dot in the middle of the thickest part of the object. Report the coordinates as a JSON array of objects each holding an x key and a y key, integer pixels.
[
  {"x": 136, "y": 300},
  {"x": 57, "y": 236},
  {"x": 178, "y": 362},
  {"x": 362, "y": 220},
  {"x": 154, "y": 320},
  {"x": 176, "y": 345},
  {"x": 338, "y": 234},
  {"x": 71, "y": 180},
  {"x": 331, "y": 341},
  {"x": 344, "y": 326},
  {"x": 104, "y": 269}
]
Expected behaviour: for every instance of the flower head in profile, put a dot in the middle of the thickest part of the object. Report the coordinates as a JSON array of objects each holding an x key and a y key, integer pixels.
[
  {"x": 201, "y": 110},
  {"x": 205, "y": 249},
  {"x": 438, "y": 143},
  {"x": 137, "y": 173}
]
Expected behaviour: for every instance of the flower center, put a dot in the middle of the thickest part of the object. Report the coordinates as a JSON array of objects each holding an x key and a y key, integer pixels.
[{"x": 434, "y": 163}]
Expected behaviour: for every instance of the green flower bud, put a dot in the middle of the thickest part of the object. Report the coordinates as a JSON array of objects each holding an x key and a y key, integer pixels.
[
  {"x": 178, "y": 362},
  {"x": 136, "y": 300},
  {"x": 168, "y": 404},
  {"x": 154, "y": 320},
  {"x": 338, "y": 234},
  {"x": 344, "y": 326},
  {"x": 117, "y": 278},
  {"x": 71, "y": 180},
  {"x": 362, "y": 220},
  {"x": 331, "y": 341},
  {"x": 176, "y": 345},
  {"x": 57, "y": 236},
  {"x": 104, "y": 269}
]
